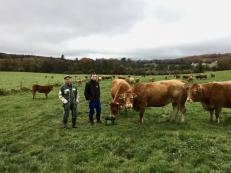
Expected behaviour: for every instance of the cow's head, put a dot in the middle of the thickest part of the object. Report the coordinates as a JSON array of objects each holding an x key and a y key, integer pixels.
[
  {"x": 50, "y": 87},
  {"x": 114, "y": 109},
  {"x": 127, "y": 99},
  {"x": 195, "y": 93}
]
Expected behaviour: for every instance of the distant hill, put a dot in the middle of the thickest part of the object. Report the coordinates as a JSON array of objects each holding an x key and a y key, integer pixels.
[
  {"x": 33, "y": 63},
  {"x": 208, "y": 58}
]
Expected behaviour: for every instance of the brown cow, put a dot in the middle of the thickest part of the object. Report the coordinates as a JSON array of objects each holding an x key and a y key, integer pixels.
[
  {"x": 121, "y": 77},
  {"x": 119, "y": 98},
  {"x": 158, "y": 94},
  {"x": 176, "y": 76},
  {"x": 41, "y": 89},
  {"x": 79, "y": 82},
  {"x": 213, "y": 96},
  {"x": 190, "y": 78},
  {"x": 185, "y": 76},
  {"x": 201, "y": 76}
]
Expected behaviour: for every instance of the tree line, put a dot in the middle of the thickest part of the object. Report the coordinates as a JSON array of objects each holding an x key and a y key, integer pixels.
[{"x": 32, "y": 63}]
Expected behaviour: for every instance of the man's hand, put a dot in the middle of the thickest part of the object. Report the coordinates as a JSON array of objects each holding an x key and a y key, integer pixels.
[
  {"x": 77, "y": 99},
  {"x": 64, "y": 100}
]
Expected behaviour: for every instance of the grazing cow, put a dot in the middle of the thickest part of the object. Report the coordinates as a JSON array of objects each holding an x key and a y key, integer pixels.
[
  {"x": 106, "y": 77},
  {"x": 137, "y": 80},
  {"x": 152, "y": 80},
  {"x": 201, "y": 76},
  {"x": 176, "y": 76},
  {"x": 130, "y": 80},
  {"x": 99, "y": 78},
  {"x": 213, "y": 96},
  {"x": 121, "y": 77},
  {"x": 79, "y": 82},
  {"x": 41, "y": 89},
  {"x": 190, "y": 78},
  {"x": 119, "y": 98},
  {"x": 158, "y": 94},
  {"x": 185, "y": 77}
]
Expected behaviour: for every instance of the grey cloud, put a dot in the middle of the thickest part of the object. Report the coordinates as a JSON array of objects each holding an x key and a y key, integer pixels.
[
  {"x": 206, "y": 47},
  {"x": 54, "y": 21},
  {"x": 210, "y": 46}
]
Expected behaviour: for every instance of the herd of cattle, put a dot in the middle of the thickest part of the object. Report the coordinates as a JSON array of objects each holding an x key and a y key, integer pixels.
[
  {"x": 129, "y": 93},
  {"x": 213, "y": 96},
  {"x": 190, "y": 77}
]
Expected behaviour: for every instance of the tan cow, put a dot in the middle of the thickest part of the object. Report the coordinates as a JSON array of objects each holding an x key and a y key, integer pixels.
[
  {"x": 213, "y": 96},
  {"x": 119, "y": 97},
  {"x": 79, "y": 82},
  {"x": 158, "y": 94},
  {"x": 190, "y": 78},
  {"x": 130, "y": 80}
]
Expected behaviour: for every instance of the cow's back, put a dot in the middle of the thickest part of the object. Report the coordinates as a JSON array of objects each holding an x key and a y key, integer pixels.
[
  {"x": 41, "y": 89},
  {"x": 119, "y": 86},
  {"x": 157, "y": 94}
]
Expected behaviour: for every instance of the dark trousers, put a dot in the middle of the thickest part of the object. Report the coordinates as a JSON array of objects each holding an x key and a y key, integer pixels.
[
  {"x": 94, "y": 104},
  {"x": 67, "y": 108}
]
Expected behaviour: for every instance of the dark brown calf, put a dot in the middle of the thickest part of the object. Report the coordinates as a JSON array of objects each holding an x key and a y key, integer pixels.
[{"x": 41, "y": 89}]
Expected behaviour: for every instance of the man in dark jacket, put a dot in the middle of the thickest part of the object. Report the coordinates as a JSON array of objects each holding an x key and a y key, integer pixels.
[
  {"x": 68, "y": 94},
  {"x": 92, "y": 95}
]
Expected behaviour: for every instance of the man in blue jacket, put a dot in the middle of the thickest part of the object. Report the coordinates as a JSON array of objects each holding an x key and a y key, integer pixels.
[{"x": 92, "y": 95}]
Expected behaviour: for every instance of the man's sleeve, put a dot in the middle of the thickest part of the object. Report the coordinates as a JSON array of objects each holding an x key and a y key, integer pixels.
[
  {"x": 99, "y": 91},
  {"x": 86, "y": 92},
  {"x": 76, "y": 93},
  {"x": 61, "y": 95}
]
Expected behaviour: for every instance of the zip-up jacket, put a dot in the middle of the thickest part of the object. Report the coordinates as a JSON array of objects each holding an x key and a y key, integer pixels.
[
  {"x": 68, "y": 94},
  {"x": 92, "y": 90}
]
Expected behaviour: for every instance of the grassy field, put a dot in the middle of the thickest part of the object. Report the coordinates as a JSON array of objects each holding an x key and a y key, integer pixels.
[{"x": 32, "y": 138}]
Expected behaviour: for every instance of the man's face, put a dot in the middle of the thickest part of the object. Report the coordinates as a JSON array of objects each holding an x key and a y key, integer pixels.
[
  {"x": 94, "y": 77},
  {"x": 68, "y": 81}
]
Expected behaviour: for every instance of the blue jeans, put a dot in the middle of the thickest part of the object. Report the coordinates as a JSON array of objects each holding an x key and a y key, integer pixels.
[{"x": 94, "y": 104}]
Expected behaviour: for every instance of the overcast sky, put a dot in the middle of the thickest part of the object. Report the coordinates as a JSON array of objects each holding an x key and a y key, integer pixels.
[{"x": 115, "y": 28}]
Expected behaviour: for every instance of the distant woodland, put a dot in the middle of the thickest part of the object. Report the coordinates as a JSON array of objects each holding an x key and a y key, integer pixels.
[{"x": 32, "y": 63}]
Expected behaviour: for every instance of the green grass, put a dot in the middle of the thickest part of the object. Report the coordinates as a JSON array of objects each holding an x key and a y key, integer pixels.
[{"x": 32, "y": 138}]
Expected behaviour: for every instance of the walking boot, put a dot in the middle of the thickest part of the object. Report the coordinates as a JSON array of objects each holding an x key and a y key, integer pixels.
[
  {"x": 98, "y": 118},
  {"x": 91, "y": 120},
  {"x": 74, "y": 123}
]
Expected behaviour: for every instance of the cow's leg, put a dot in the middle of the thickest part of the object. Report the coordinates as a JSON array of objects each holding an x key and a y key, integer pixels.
[
  {"x": 126, "y": 111},
  {"x": 183, "y": 111},
  {"x": 211, "y": 114},
  {"x": 33, "y": 92},
  {"x": 46, "y": 95},
  {"x": 174, "y": 112},
  {"x": 217, "y": 113},
  {"x": 142, "y": 116}
]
